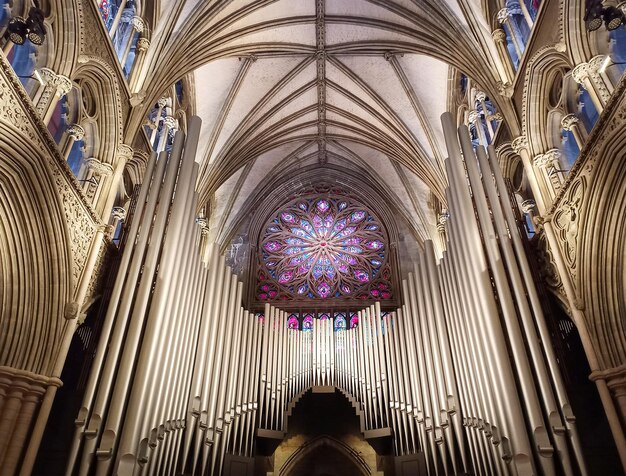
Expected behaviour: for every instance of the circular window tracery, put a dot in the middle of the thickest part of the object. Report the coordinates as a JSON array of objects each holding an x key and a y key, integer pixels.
[{"x": 323, "y": 247}]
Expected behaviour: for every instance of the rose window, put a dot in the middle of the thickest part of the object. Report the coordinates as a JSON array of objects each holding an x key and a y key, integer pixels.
[{"x": 321, "y": 248}]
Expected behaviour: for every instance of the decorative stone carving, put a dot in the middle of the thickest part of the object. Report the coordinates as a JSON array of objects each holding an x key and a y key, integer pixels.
[
  {"x": 143, "y": 44},
  {"x": 569, "y": 121},
  {"x": 566, "y": 220},
  {"x": 62, "y": 84},
  {"x": 138, "y": 24},
  {"x": 519, "y": 143},
  {"x": 528, "y": 205},
  {"x": 498, "y": 35},
  {"x": 473, "y": 117},
  {"x": 119, "y": 213},
  {"x": 503, "y": 15},
  {"x": 124, "y": 152},
  {"x": 76, "y": 132},
  {"x": 98, "y": 167}
]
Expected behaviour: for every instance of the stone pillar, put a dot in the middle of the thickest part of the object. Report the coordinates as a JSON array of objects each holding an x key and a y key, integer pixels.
[
  {"x": 109, "y": 195},
  {"x": 571, "y": 123},
  {"x": 142, "y": 46},
  {"x": 139, "y": 26},
  {"x": 75, "y": 132},
  {"x": 55, "y": 86},
  {"x": 598, "y": 85},
  {"x": 616, "y": 381},
  {"x": 499, "y": 37},
  {"x": 550, "y": 164},
  {"x": 118, "y": 214},
  {"x": 520, "y": 146},
  {"x": 505, "y": 19},
  {"x": 93, "y": 174},
  {"x": 20, "y": 395}
]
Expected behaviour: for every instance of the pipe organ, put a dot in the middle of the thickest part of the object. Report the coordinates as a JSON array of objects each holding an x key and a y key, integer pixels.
[{"x": 463, "y": 371}]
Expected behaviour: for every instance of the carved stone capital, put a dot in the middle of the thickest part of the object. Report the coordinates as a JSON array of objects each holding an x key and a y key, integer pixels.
[
  {"x": 528, "y": 205},
  {"x": 552, "y": 157},
  {"x": 119, "y": 213},
  {"x": 481, "y": 96},
  {"x": 163, "y": 102},
  {"x": 98, "y": 167},
  {"x": 581, "y": 72},
  {"x": 138, "y": 24},
  {"x": 76, "y": 132},
  {"x": 539, "y": 160},
  {"x": 519, "y": 143},
  {"x": 143, "y": 44},
  {"x": 569, "y": 121},
  {"x": 62, "y": 84},
  {"x": 125, "y": 151},
  {"x": 473, "y": 117},
  {"x": 71, "y": 310},
  {"x": 503, "y": 15},
  {"x": 499, "y": 36}
]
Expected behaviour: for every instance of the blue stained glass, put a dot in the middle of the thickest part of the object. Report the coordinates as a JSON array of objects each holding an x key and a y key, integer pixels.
[{"x": 356, "y": 217}]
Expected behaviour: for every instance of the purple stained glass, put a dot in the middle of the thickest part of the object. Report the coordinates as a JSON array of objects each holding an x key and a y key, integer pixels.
[
  {"x": 323, "y": 290},
  {"x": 323, "y": 206},
  {"x": 322, "y": 247},
  {"x": 272, "y": 246},
  {"x": 374, "y": 244}
]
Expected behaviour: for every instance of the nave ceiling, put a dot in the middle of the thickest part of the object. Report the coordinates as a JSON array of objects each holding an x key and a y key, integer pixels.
[{"x": 357, "y": 84}]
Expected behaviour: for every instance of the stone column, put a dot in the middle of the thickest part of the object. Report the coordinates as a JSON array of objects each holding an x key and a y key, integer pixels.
[
  {"x": 505, "y": 19},
  {"x": 55, "y": 86},
  {"x": 118, "y": 214},
  {"x": 572, "y": 123},
  {"x": 499, "y": 37},
  {"x": 142, "y": 46},
  {"x": 75, "y": 132},
  {"x": 93, "y": 174},
  {"x": 520, "y": 146},
  {"x": 598, "y": 85},
  {"x": 616, "y": 381},
  {"x": 109, "y": 195},
  {"x": 139, "y": 26},
  {"x": 549, "y": 164}
]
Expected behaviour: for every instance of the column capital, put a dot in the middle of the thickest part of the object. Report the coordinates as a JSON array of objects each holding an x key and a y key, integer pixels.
[
  {"x": 76, "y": 132},
  {"x": 498, "y": 35},
  {"x": 125, "y": 151},
  {"x": 569, "y": 121},
  {"x": 519, "y": 143},
  {"x": 98, "y": 167},
  {"x": 503, "y": 15},
  {"x": 143, "y": 44},
  {"x": 553, "y": 156},
  {"x": 481, "y": 96},
  {"x": 62, "y": 84},
  {"x": 528, "y": 205},
  {"x": 472, "y": 117},
  {"x": 581, "y": 72},
  {"x": 171, "y": 122},
  {"x": 119, "y": 213},
  {"x": 162, "y": 102},
  {"x": 138, "y": 24}
]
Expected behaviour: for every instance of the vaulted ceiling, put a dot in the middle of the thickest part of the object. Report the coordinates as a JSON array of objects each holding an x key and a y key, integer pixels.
[{"x": 286, "y": 84}]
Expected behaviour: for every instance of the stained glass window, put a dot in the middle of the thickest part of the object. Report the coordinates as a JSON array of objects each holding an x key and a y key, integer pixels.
[
  {"x": 307, "y": 322},
  {"x": 354, "y": 320},
  {"x": 340, "y": 321},
  {"x": 323, "y": 247},
  {"x": 292, "y": 322}
]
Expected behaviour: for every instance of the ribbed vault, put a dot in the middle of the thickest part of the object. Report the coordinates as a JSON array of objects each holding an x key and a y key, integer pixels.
[{"x": 297, "y": 83}]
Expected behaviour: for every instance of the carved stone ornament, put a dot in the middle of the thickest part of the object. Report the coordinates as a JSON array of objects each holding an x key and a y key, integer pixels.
[
  {"x": 498, "y": 35},
  {"x": 119, "y": 213},
  {"x": 125, "y": 151},
  {"x": 76, "y": 132},
  {"x": 472, "y": 117},
  {"x": 569, "y": 121},
  {"x": 481, "y": 96},
  {"x": 581, "y": 72},
  {"x": 528, "y": 205},
  {"x": 519, "y": 143},
  {"x": 143, "y": 44},
  {"x": 566, "y": 220},
  {"x": 71, "y": 310},
  {"x": 138, "y": 24},
  {"x": 62, "y": 84},
  {"x": 98, "y": 167},
  {"x": 503, "y": 15}
]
